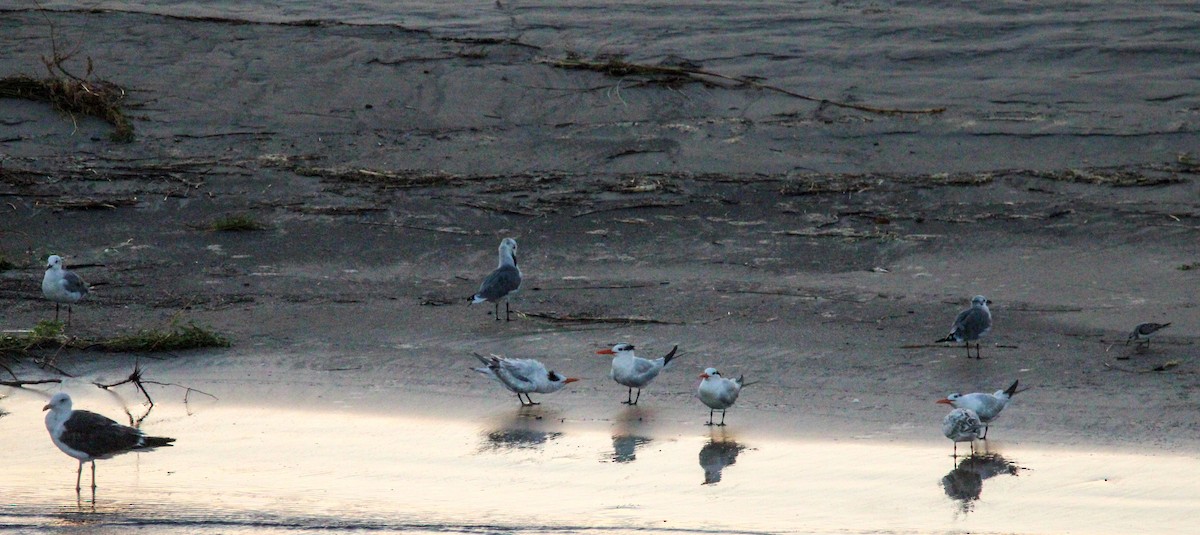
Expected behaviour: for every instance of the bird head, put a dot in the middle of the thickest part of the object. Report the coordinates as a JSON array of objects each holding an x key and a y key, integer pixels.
[
  {"x": 59, "y": 402},
  {"x": 53, "y": 261},
  {"x": 710, "y": 372},
  {"x": 950, "y": 399},
  {"x": 616, "y": 350}
]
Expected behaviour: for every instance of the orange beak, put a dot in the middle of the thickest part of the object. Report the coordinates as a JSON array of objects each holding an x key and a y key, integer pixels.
[
  {"x": 705, "y": 376},
  {"x": 570, "y": 380},
  {"x": 46, "y": 408},
  {"x": 606, "y": 352},
  {"x": 943, "y": 400}
]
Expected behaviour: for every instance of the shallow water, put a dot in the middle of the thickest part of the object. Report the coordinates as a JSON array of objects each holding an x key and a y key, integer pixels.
[{"x": 242, "y": 469}]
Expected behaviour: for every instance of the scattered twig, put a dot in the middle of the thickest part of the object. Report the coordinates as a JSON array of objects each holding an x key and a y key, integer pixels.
[
  {"x": 445, "y": 230},
  {"x": 557, "y": 318},
  {"x": 1160, "y": 368},
  {"x": 651, "y": 204}
]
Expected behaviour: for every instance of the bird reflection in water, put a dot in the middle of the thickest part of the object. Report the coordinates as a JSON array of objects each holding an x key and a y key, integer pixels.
[
  {"x": 530, "y": 428},
  {"x": 965, "y": 482},
  {"x": 720, "y": 451},
  {"x": 633, "y": 424}
]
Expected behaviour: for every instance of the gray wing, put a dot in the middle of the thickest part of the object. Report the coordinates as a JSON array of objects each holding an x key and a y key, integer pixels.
[
  {"x": 1147, "y": 329},
  {"x": 72, "y": 283},
  {"x": 972, "y": 323},
  {"x": 519, "y": 369},
  {"x": 98, "y": 435},
  {"x": 499, "y": 283}
]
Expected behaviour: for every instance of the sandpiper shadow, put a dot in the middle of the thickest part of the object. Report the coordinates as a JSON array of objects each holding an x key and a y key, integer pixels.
[
  {"x": 965, "y": 482},
  {"x": 528, "y": 428},
  {"x": 720, "y": 451}
]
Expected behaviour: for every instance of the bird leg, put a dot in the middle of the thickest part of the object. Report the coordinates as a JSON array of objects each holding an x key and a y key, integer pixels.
[
  {"x": 93, "y": 473},
  {"x": 984, "y": 435},
  {"x": 722, "y": 424},
  {"x": 496, "y": 314},
  {"x": 56, "y": 305},
  {"x": 629, "y": 400},
  {"x": 68, "y": 315},
  {"x": 639, "y": 396},
  {"x": 710, "y": 417},
  {"x": 507, "y": 312},
  {"x": 79, "y": 476}
]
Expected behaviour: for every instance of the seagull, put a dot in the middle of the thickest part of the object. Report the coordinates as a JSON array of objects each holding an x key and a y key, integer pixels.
[
  {"x": 522, "y": 376},
  {"x": 718, "y": 392},
  {"x": 1142, "y": 332},
  {"x": 88, "y": 436},
  {"x": 961, "y": 425},
  {"x": 986, "y": 406},
  {"x": 971, "y": 324},
  {"x": 633, "y": 371},
  {"x": 506, "y": 279},
  {"x": 62, "y": 286}
]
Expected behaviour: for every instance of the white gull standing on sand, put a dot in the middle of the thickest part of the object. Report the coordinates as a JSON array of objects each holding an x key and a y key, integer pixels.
[
  {"x": 62, "y": 286},
  {"x": 88, "y": 436},
  {"x": 961, "y": 425},
  {"x": 718, "y": 392},
  {"x": 986, "y": 406},
  {"x": 971, "y": 324},
  {"x": 1142, "y": 332},
  {"x": 504, "y": 280},
  {"x": 633, "y": 371},
  {"x": 522, "y": 376}
]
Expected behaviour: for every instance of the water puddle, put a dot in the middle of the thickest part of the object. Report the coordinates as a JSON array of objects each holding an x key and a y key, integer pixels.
[{"x": 255, "y": 469}]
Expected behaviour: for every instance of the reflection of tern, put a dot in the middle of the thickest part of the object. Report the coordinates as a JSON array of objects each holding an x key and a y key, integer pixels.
[
  {"x": 633, "y": 371},
  {"x": 971, "y": 324},
  {"x": 630, "y": 433},
  {"x": 986, "y": 406},
  {"x": 522, "y": 376},
  {"x": 965, "y": 482},
  {"x": 62, "y": 286},
  {"x": 961, "y": 425},
  {"x": 504, "y": 280},
  {"x": 718, "y": 392},
  {"x": 1141, "y": 333},
  {"x": 524, "y": 430},
  {"x": 716, "y": 455},
  {"x": 88, "y": 436}
]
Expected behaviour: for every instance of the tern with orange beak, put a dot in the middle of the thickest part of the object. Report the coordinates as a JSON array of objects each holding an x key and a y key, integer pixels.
[
  {"x": 718, "y": 392},
  {"x": 986, "y": 406},
  {"x": 522, "y": 376},
  {"x": 632, "y": 371}
]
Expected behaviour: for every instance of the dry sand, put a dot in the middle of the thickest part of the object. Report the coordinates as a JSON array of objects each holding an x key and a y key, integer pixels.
[{"x": 387, "y": 165}]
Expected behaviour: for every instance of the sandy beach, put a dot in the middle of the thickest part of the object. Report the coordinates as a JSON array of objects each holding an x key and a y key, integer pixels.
[{"x": 814, "y": 248}]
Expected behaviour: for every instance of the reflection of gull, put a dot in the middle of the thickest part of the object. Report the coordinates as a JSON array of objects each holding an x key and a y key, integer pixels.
[
  {"x": 88, "y": 436},
  {"x": 961, "y": 425},
  {"x": 504, "y": 280},
  {"x": 522, "y": 376},
  {"x": 1142, "y": 333},
  {"x": 986, "y": 406},
  {"x": 62, "y": 286},
  {"x": 965, "y": 482},
  {"x": 716, "y": 455},
  {"x": 523, "y": 431},
  {"x": 971, "y": 324},
  {"x": 632, "y": 371}
]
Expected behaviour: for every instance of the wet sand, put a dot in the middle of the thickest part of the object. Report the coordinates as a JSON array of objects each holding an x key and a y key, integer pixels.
[{"x": 819, "y": 251}]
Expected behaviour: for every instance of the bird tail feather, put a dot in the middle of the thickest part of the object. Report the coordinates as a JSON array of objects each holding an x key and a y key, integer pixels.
[
  {"x": 1012, "y": 389},
  {"x": 156, "y": 442},
  {"x": 670, "y": 356}
]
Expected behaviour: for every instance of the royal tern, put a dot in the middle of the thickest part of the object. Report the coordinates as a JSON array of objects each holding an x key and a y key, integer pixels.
[
  {"x": 88, "y": 436},
  {"x": 522, "y": 376},
  {"x": 1142, "y": 333},
  {"x": 986, "y": 406},
  {"x": 633, "y": 371},
  {"x": 503, "y": 281},
  {"x": 62, "y": 286},
  {"x": 971, "y": 324},
  {"x": 718, "y": 392},
  {"x": 961, "y": 425}
]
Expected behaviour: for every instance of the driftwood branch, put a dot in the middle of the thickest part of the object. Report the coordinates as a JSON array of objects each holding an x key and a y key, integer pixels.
[{"x": 616, "y": 67}]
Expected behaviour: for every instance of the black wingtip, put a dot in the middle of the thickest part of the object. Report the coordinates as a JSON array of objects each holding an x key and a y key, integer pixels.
[
  {"x": 1012, "y": 389},
  {"x": 948, "y": 338},
  {"x": 157, "y": 442},
  {"x": 667, "y": 359}
]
